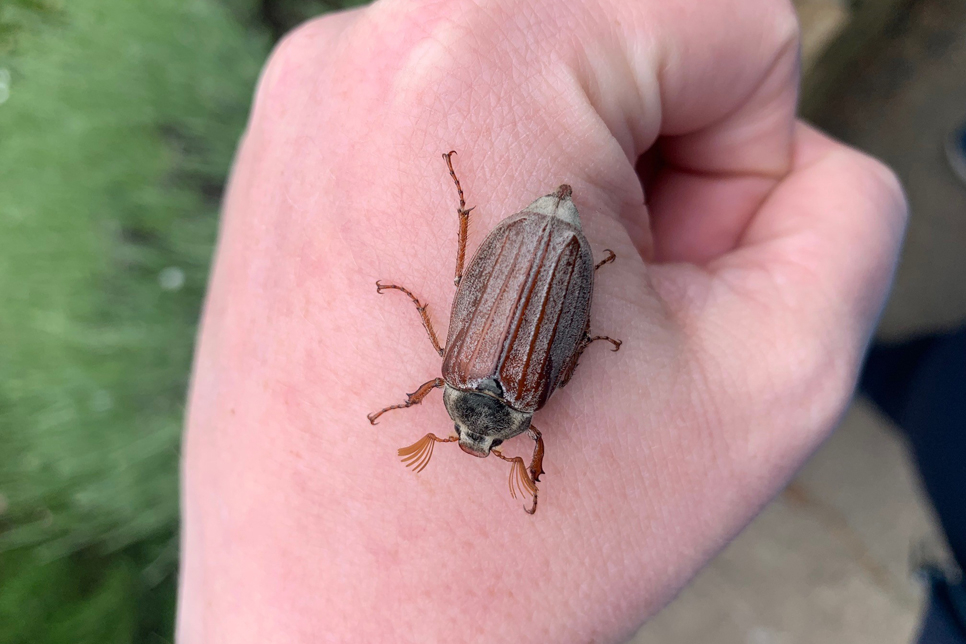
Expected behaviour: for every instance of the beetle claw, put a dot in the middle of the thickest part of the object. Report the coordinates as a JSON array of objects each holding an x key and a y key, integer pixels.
[{"x": 533, "y": 508}]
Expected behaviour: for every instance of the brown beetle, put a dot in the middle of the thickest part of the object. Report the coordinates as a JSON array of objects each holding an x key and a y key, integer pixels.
[{"x": 520, "y": 320}]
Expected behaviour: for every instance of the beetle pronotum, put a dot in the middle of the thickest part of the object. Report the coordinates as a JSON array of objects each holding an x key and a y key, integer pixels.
[{"x": 520, "y": 321}]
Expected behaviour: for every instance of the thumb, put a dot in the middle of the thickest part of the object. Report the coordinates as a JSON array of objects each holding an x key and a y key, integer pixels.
[{"x": 784, "y": 319}]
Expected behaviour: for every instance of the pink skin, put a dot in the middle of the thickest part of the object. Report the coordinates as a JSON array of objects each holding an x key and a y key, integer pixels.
[{"x": 745, "y": 292}]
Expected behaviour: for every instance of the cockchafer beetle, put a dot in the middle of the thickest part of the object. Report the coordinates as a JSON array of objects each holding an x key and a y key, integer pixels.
[{"x": 519, "y": 323}]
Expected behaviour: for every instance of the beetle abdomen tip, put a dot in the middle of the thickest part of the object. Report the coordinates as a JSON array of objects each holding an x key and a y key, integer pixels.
[{"x": 559, "y": 204}]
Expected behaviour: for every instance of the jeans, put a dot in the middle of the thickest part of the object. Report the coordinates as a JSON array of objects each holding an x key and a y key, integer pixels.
[{"x": 921, "y": 386}]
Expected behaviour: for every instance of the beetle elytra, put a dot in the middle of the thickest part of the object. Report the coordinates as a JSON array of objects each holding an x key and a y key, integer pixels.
[{"x": 519, "y": 323}]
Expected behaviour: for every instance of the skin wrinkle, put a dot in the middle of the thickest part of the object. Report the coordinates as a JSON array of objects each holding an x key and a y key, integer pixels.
[
  {"x": 647, "y": 107},
  {"x": 787, "y": 50},
  {"x": 585, "y": 75},
  {"x": 727, "y": 457},
  {"x": 617, "y": 192},
  {"x": 674, "y": 51}
]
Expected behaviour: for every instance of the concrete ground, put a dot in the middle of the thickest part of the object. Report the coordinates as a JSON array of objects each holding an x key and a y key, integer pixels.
[{"x": 829, "y": 560}]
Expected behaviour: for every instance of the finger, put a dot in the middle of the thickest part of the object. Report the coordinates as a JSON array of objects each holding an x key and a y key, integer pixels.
[
  {"x": 696, "y": 217},
  {"x": 775, "y": 329},
  {"x": 828, "y": 236},
  {"x": 787, "y": 315},
  {"x": 727, "y": 105}
]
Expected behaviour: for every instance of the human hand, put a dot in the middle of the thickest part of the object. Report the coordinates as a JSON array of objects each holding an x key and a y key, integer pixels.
[{"x": 744, "y": 292}]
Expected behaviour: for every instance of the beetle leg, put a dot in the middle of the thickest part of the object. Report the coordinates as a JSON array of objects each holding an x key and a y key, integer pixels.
[
  {"x": 607, "y": 260},
  {"x": 533, "y": 508},
  {"x": 587, "y": 341},
  {"x": 617, "y": 343},
  {"x": 520, "y": 480},
  {"x": 419, "y": 307},
  {"x": 536, "y": 462},
  {"x": 464, "y": 215},
  {"x": 418, "y": 454},
  {"x": 412, "y": 399}
]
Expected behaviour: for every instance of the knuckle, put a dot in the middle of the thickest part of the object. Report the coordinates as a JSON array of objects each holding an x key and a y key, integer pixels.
[
  {"x": 882, "y": 187},
  {"x": 295, "y": 53},
  {"x": 779, "y": 26},
  {"x": 787, "y": 26},
  {"x": 884, "y": 178},
  {"x": 285, "y": 55}
]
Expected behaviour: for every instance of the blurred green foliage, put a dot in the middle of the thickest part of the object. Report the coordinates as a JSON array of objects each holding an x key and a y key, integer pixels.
[
  {"x": 282, "y": 15},
  {"x": 17, "y": 16},
  {"x": 118, "y": 120}
]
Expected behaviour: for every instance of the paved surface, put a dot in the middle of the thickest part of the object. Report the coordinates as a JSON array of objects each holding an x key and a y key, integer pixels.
[{"x": 828, "y": 561}]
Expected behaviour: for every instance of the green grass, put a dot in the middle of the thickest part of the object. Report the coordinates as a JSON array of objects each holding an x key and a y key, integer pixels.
[
  {"x": 18, "y": 16},
  {"x": 115, "y": 139}
]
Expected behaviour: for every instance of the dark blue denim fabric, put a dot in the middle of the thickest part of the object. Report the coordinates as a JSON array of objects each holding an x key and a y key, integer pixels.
[{"x": 921, "y": 386}]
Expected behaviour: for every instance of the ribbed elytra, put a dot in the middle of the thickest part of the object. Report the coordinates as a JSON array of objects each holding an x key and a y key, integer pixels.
[{"x": 519, "y": 323}]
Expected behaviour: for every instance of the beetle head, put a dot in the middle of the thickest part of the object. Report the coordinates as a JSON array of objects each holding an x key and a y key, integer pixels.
[
  {"x": 474, "y": 444},
  {"x": 482, "y": 419}
]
